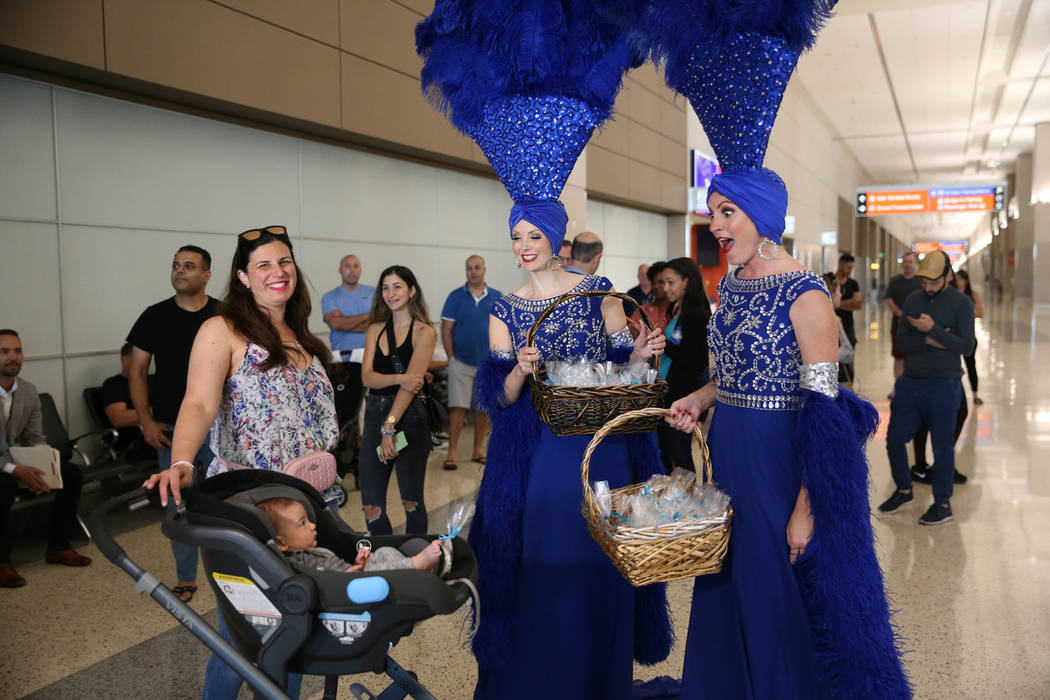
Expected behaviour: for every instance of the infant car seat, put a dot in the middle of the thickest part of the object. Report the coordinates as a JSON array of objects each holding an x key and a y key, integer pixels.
[{"x": 322, "y": 622}]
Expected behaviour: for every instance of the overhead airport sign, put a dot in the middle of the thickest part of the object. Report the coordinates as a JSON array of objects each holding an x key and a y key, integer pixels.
[{"x": 924, "y": 199}]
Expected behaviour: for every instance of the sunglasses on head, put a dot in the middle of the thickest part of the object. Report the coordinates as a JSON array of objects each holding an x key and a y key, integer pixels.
[{"x": 252, "y": 234}]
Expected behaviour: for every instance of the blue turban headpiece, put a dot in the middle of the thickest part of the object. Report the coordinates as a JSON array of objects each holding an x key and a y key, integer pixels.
[
  {"x": 732, "y": 59},
  {"x": 760, "y": 194},
  {"x": 528, "y": 82},
  {"x": 548, "y": 215}
]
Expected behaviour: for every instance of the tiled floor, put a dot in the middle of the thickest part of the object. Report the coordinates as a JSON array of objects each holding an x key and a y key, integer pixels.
[{"x": 972, "y": 594}]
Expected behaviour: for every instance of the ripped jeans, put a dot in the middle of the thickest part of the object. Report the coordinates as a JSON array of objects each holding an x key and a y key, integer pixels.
[{"x": 410, "y": 465}]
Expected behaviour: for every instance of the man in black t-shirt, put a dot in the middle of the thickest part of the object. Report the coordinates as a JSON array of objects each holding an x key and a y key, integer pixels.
[
  {"x": 851, "y": 301},
  {"x": 114, "y": 398},
  {"x": 900, "y": 288},
  {"x": 164, "y": 334}
]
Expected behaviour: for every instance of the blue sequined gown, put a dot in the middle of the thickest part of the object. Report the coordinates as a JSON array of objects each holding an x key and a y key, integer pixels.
[
  {"x": 572, "y": 624},
  {"x": 749, "y": 635}
]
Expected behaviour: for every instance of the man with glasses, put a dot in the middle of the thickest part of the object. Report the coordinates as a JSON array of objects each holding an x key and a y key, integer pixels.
[
  {"x": 936, "y": 331},
  {"x": 164, "y": 334}
]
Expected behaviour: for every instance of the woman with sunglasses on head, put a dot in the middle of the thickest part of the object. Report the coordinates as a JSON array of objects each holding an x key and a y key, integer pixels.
[
  {"x": 257, "y": 382},
  {"x": 399, "y": 344}
]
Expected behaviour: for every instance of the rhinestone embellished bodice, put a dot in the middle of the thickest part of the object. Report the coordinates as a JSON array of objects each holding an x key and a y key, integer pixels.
[
  {"x": 575, "y": 329},
  {"x": 753, "y": 342}
]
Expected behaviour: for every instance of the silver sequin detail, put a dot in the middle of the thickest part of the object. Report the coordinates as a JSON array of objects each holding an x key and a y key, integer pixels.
[
  {"x": 753, "y": 342},
  {"x": 533, "y": 141},
  {"x": 820, "y": 376},
  {"x": 735, "y": 86},
  {"x": 621, "y": 338},
  {"x": 574, "y": 329}
]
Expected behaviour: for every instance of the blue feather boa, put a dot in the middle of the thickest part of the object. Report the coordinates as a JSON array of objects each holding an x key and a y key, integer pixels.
[
  {"x": 840, "y": 576},
  {"x": 495, "y": 533}
]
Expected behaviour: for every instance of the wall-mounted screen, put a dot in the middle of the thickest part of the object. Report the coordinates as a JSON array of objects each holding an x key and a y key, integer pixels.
[{"x": 704, "y": 169}]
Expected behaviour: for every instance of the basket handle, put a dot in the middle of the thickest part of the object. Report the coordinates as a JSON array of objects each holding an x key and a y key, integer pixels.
[
  {"x": 654, "y": 361},
  {"x": 585, "y": 466}
]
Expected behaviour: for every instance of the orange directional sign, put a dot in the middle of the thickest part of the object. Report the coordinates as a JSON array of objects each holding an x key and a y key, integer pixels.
[
  {"x": 920, "y": 200},
  {"x": 897, "y": 202}
]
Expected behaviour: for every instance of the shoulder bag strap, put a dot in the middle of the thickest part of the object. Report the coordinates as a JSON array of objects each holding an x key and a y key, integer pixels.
[{"x": 391, "y": 342}]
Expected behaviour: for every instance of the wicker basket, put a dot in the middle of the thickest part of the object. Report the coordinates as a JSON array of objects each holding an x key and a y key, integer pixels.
[
  {"x": 582, "y": 410},
  {"x": 668, "y": 552}
]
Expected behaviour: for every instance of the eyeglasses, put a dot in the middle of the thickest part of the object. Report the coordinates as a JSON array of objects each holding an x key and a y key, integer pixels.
[{"x": 252, "y": 234}]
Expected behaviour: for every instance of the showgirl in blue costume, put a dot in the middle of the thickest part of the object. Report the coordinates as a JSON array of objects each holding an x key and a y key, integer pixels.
[
  {"x": 799, "y": 609},
  {"x": 529, "y": 81}
]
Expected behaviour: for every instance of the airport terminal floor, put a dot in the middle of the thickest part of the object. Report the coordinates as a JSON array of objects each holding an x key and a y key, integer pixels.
[{"x": 971, "y": 594}]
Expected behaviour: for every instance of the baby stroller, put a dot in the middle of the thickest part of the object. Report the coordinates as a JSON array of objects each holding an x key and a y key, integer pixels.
[{"x": 322, "y": 623}]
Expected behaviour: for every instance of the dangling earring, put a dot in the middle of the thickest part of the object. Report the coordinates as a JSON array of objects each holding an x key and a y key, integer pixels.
[
  {"x": 764, "y": 255},
  {"x": 553, "y": 263}
]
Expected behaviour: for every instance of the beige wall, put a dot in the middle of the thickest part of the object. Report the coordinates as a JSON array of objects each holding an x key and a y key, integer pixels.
[
  {"x": 342, "y": 69},
  {"x": 641, "y": 155}
]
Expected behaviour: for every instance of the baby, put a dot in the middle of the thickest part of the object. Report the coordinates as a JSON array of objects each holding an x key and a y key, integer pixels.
[{"x": 297, "y": 538}]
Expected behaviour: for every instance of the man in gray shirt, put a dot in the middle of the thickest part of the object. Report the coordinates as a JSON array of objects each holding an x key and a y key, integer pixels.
[{"x": 936, "y": 331}]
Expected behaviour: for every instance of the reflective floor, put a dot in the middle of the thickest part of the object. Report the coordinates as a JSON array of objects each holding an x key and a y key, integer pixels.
[{"x": 972, "y": 594}]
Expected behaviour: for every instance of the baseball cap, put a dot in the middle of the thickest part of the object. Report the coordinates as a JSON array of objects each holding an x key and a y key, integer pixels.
[{"x": 934, "y": 265}]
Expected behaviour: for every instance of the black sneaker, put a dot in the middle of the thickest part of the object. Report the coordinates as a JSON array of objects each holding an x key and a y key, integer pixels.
[
  {"x": 959, "y": 477},
  {"x": 938, "y": 514},
  {"x": 922, "y": 474},
  {"x": 898, "y": 499}
]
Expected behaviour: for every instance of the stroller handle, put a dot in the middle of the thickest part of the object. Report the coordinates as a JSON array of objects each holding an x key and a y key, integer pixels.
[
  {"x": 96, "y": 523},
  {"x": 148, "y": 584}
]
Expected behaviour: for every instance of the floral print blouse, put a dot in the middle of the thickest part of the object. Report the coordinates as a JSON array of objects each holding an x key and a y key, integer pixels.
[{"x": 267, "y": 419}]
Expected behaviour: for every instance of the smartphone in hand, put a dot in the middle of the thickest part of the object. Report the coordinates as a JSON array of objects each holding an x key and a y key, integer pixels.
[{"x": 400, "y": 443}]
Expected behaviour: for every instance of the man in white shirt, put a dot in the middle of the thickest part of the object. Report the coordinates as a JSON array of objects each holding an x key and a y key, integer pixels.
[{"x": 22, "y": 424}]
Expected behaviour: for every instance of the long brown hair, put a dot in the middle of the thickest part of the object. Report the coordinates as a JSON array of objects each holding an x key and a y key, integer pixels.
[
  {"x": 239, "y": 308},
  {"x": 417, "y": 307}
]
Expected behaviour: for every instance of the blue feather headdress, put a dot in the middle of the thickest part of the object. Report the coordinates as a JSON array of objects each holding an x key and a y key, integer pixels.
[
  {"x": 732, "y": 59},
  {"x": 528, "y": 80}
]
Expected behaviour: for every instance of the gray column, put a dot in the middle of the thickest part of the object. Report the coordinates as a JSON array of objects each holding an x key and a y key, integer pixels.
[
  {"x": 1024, "y": 229},
  {"x": 1040, "y": 209}
]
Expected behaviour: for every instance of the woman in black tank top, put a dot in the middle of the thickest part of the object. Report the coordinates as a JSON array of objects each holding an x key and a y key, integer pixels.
[{"x": 399, "y": 344}]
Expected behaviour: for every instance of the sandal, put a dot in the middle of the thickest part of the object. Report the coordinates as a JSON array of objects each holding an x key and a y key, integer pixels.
[
  {"x": 183, "y": 590},
  {"x": 450, "y": 465},
  {"x": 479, "y": 460}
]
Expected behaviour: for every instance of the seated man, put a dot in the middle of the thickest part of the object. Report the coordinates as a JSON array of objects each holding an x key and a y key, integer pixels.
[
  {"x": 115, "y": 399},
  {"x": 23, "y": 425}
]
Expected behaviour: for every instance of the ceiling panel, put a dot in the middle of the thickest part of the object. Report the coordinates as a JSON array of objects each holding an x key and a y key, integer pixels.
[
  {"x": 844, "y": 76},
  {"x": 884, "y": 157},
  {"x": 938, "y": 151},
  {"x": 1034, "y": 40},
  {"x": 944, "y": 227},
  {"x": 932, "y": 55}
]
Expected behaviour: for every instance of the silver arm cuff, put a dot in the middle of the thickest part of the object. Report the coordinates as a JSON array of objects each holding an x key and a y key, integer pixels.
[
  {"x": 820, "y": 376},
  {"x": 503, "y": 354},
  {"x": 621, "y": 338}
]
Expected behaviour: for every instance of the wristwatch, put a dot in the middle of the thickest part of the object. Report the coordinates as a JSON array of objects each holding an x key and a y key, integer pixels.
[{"x": 387, "y": 429}]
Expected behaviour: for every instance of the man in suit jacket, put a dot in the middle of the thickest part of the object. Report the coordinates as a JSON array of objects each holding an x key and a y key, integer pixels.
[{"x": 21, "y": 423}]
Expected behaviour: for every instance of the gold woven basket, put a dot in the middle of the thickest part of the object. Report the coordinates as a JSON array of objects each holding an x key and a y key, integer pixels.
[
  {"x": 666, "y": 552},
  {"x": 583, "y": 410}
]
